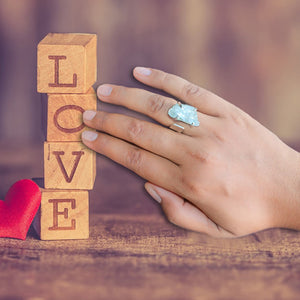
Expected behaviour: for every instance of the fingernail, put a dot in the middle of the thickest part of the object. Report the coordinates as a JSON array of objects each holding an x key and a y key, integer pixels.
[
  {"x": 104, "y": 90},
  {"x": 89, "y": 135},
  {"x": 89, "y": 115},
  {"x": 153, "y": 193},
  {"x": 143, "y": 71}
]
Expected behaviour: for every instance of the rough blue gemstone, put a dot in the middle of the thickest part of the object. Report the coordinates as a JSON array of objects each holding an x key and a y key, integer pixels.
[{"x": 184, "y": 113}]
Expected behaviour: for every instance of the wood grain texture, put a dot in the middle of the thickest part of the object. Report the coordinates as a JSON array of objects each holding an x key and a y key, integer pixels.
[
  {"x": 64, "y": 116},
  {"x": 145, "y": 257},
  {"x": 67, "y": 63},
  {"x": 134, "y": 253},
  {"x": 69, "y": 165},
  {"x": 222, "y": 52},
  {"x": 63, "y": 215}
]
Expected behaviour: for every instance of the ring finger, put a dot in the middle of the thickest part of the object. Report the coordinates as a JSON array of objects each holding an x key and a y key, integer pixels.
[
  {"x": 144, "y": 134},
  {"x": 152, "y": 105}
]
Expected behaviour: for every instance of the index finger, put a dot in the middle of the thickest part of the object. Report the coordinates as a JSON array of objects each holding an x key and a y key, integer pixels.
[{"x": 204, "y": 100}]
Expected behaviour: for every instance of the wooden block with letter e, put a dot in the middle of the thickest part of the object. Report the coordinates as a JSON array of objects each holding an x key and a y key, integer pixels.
[
  {"x": 64, "y": 121},
  {"x": 63, "y": 214},
  {"x": 66, "y": 63},
  {"x": 69, "y": 165}
]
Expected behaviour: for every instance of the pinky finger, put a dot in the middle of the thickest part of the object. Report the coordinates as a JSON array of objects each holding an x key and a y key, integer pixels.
[{"x": 183, "y": 213}]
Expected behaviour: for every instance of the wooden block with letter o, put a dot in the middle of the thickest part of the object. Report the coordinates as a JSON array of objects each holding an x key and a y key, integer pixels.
[
  {"x": 63, "y": 214},
  {"x": 64, "y": 121},
  {"x": 66, "y": 63},
  {"x": 69, "y": 165}
]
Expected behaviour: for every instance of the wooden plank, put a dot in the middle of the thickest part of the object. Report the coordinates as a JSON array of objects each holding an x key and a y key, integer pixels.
[
  {"x": 64, "y": 116},
  {"x": 134, "y": 248},
  {"x": 66, "y": 63},
  {"x": 63, "y": 215},
  {"x": 143, "y": 255},
  {"x": 69, "y": 165}
]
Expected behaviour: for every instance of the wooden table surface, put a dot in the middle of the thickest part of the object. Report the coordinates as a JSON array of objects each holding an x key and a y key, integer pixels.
[{"x": 134, "y": 253}]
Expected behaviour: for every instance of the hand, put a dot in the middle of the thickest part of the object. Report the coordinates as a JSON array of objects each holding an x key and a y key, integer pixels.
[{"x": 228, "y": 177}]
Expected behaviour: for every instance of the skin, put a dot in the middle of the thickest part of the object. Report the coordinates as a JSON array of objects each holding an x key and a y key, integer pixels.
[{"x": 229, "y": 177}]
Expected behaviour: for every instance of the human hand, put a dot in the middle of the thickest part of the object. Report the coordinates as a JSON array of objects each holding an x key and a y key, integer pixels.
[{"x": 228, "y": 177}]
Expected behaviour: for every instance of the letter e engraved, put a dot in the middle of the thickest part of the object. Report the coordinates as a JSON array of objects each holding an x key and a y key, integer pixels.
[
  {"x": 63, "y": 108},
  {"x": 56, "y": 83},
  {"x": 56, "y": 213},
  {"x": 62, "y": 167}
]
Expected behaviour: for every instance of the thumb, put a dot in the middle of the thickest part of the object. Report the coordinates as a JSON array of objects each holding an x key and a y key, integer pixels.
[{"x": 183, "y": 213}]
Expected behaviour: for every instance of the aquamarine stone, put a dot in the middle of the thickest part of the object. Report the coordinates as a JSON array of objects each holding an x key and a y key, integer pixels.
[{"x": 184, "y": 113}]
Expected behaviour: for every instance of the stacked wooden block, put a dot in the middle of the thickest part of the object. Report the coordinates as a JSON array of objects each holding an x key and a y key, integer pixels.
[{"x": 66, "y": 71}]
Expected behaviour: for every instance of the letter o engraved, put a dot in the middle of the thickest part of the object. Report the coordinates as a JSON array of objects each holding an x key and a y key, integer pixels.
[{"x": 63, "y": 129}]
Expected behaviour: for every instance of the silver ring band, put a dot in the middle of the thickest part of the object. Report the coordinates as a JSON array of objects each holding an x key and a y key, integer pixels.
[{"x": 176, "y": 127}]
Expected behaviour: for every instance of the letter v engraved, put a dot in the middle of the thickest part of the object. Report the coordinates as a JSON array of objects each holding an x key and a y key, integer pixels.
[{"x": 62, "y": 167}]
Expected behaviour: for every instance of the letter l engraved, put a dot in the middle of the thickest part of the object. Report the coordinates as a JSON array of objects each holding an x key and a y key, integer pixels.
[
  {"x": 62, "y": 167},
  {"x": 56, "y": 83}
]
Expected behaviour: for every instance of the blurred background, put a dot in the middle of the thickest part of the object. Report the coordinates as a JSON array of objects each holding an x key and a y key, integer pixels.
[{"x": 248, "y": 52}]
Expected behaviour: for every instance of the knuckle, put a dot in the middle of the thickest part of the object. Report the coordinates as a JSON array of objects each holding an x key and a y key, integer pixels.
[
  {"x": 133, "y": 159},
  {"x": 165, "y": 78},
  {"x": 190, "y": 89},
  {"x": 201, "y": 156},
  {"x": 239, "y": 118},
  {"x": 193, "y": 187},
  {"x": 228, "y": 188},
  {"x": 220, "y": 137},
  {"x": 119, "y": 91},
  {"x": 156, "y": 103},
  {"x": 219, "y": 134},
  {"x": 102, "y": 120},
  {"x": 102, "y": 143},
  {"x": 135, "y": 129}
]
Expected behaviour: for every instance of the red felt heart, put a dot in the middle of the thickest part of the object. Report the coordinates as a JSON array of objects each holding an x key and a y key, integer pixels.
[{"x": 19, "y": 208}]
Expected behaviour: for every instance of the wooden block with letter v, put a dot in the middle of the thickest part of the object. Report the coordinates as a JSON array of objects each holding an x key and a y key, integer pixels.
[
  {"x": 66, "y": 63},
  {"x": 64, "y": 116},
  {"x": 69, "y": 165},
  {"x": 63, "y": 214}
]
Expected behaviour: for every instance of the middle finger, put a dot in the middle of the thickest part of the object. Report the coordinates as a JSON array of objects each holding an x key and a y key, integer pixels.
[{"x": 153, "y": 105}]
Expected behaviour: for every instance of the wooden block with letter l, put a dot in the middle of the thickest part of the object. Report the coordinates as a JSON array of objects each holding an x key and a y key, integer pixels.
[
  {"x": 63, "y": 214},
  {"x": 69, "y": 165},
  {"x": 64, "y": 116},
  {"x": 66, "y": 63}
]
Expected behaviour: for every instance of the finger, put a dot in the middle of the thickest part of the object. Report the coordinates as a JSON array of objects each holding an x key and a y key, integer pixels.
[
  {"x": 146, "y": 164},
  {"x": 153, "y": 105},
  {"x": 205, "y": 101},
  {"x": 146, "y": 135},
  {"x": 183, "y": 213}
]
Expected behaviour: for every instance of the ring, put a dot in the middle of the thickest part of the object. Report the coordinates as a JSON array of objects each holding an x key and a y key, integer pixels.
[
  {"x": 184, "y": 113},
  {"x": 177, "y": 127}
]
